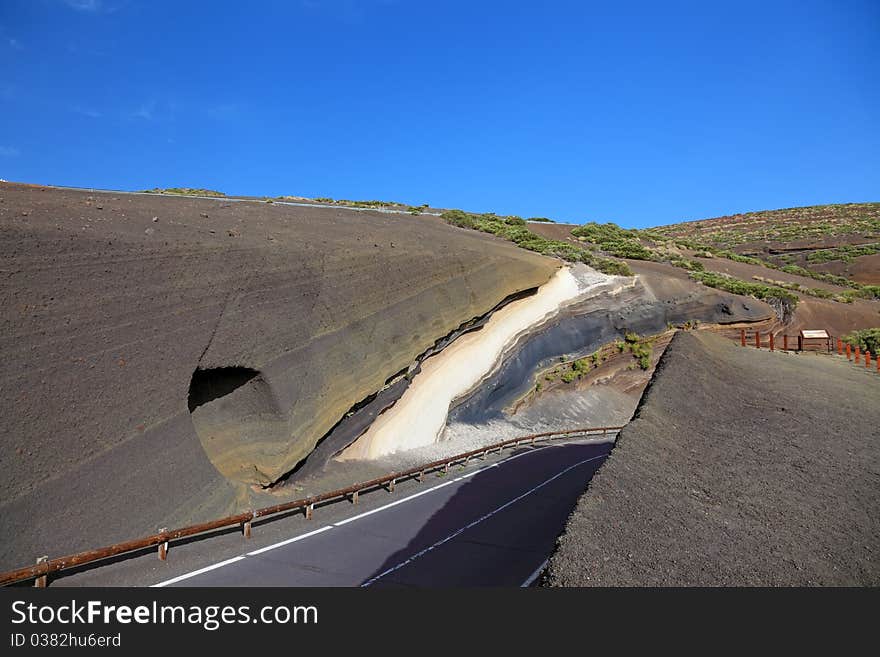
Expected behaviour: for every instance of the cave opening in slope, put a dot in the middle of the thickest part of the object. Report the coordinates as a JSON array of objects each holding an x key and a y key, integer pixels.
[{"x": 215, "y": 382}]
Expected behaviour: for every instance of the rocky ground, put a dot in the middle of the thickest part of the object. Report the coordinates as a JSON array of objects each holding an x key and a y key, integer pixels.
[{"x": 740, "y": 467}]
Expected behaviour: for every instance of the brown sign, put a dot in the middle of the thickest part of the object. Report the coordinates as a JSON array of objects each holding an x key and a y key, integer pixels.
[{"x": 819, "y": 333}]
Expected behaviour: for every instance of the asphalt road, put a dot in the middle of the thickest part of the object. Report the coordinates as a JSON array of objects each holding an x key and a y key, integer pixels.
[{"x": 493, "y": 526}]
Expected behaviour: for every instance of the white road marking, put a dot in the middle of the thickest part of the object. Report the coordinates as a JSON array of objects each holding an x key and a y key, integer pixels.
[
  {"x": 535, "y": 448},
  {"x": 288, "y": 541},
  {"x": 392, "y": 504},
  {"x": 180, "y": 578},
  {"x": 531, "y": 578},
  {"x": 458, "y": 532}
]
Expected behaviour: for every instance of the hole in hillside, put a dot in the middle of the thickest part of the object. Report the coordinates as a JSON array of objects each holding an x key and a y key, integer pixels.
[{"x": 210, "y": 384}]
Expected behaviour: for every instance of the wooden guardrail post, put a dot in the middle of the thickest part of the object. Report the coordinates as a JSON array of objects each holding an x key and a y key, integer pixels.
[
  {"x": 785, "y": 343},
  {"x": 391, "y": 485},
  {"x": 354, "y": 497},
  {"x": 310, "y": 508},
  {"x": 758, "y": 339},
  {"x": 742, "y": 337},
  {"x": 848, "y": 351},
  {"x": 163, "y": 546},
  {"x": 771, "y": 342},
  {"x": 42, "y": 581},
  {"x": 839, "y": 347},
  {"x": 858, "y": 354},
  {"x": 246, "y": 529}
]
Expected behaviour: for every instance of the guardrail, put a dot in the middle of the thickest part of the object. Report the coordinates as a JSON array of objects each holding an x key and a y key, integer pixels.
[{"x": 45, "y": 566}]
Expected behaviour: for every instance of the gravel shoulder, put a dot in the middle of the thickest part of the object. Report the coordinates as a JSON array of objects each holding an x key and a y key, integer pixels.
[{"x": 740, "y": 467}]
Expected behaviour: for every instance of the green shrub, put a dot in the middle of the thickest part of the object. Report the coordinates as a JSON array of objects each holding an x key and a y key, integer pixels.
[
  {"x": 614, "y": 240},
  {"x": 581, "y": 365},
  {"x": 689, "y": 265},
  {"x": 599, "y": 233},
  {"x": 184, "y": 191},
  {"x": 845, "y": 253},
  {"x": 514, "y": 229},
  {"x": 541, "y": 219},
  {"x": 866, "y": 339},
  {"x": 786, "y": 301},
  {"x": 627, "y": 248}
]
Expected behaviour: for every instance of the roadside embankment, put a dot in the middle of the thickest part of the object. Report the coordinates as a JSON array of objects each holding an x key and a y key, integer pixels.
[{"x": 740, "y": 467}]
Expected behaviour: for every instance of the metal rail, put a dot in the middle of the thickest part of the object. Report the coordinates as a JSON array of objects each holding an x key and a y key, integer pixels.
[{"x": 45, "y": 567}]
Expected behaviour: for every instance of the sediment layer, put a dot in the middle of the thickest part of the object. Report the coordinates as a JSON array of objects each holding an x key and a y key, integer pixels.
[
  {"x": 291, "y": 315},
  {"x": 419, "y": 416}
]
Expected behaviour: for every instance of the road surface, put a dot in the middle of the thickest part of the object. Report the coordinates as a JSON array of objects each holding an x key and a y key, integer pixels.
[{"x": 494, "y": 526}]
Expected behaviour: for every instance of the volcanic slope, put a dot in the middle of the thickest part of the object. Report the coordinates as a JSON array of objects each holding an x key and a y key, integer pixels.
[
  {"x": 741, "y": 467},
  {"x": 842, "y": 239},
  {"x": 162, "y": 357}
]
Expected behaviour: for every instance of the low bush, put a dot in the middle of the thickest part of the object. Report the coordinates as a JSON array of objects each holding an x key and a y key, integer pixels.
[
  {"x": 514, "y": 228},
  {"x": 784, "y": 301},
  {"x": 184, "y": 191},
  {"x": 866, "y": 339}
]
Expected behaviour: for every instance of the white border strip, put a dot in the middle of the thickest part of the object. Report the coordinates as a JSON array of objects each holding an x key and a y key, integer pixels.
[
  {"x": 288, "y": 541},
  {"x": 206, "y": 569}
]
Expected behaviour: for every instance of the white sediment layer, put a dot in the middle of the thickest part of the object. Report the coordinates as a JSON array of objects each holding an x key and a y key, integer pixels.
[{"x": 419, "y": 416}]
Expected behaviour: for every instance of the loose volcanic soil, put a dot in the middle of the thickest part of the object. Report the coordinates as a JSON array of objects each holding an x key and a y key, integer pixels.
[
  {"x": 164, "y": 356},
  {"x": 740, "y": 467}
]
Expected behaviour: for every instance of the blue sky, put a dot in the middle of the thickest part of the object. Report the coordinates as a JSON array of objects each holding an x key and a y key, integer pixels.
[{"x": 643, "y": 113}]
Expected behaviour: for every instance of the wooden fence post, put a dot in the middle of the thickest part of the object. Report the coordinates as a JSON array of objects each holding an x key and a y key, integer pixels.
[
  {"x": 742, "y": 337},
  {"x": 42, "y": 581},
  {"x": 848, "y": 351},
  {"x": 163, "y": 546},
  {"x": 785, "y": 343},
  {"x": 839, "y": 347},
  {"x": 867, "y": 359},
  {"x": 771, "y": 342},
  {"x": 758, "y": 339},
  {"x": 858, "y": 354},
  {"x": 800, "y": 342}
]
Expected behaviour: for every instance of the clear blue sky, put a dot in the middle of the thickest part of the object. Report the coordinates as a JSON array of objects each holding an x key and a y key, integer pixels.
[{"x": 642, "y": 113}]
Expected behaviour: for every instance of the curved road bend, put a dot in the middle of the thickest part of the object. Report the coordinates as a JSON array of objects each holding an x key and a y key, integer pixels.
[{"x": 495, "y": 526}]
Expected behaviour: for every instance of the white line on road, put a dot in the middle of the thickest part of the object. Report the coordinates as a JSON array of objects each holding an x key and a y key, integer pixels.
[
  {"x": 288, "y": 541},
  {"x": 516, "y": 499},
  {"x": 180, "y": 578},
  {"x": 535, "y": 448}
]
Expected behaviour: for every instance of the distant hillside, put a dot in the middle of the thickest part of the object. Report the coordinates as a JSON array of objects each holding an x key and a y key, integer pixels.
[{"x": 843, "y": 240}]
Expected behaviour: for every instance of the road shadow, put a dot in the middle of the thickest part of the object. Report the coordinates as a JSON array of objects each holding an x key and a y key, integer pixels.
[{"x": 498, "y": 526}]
